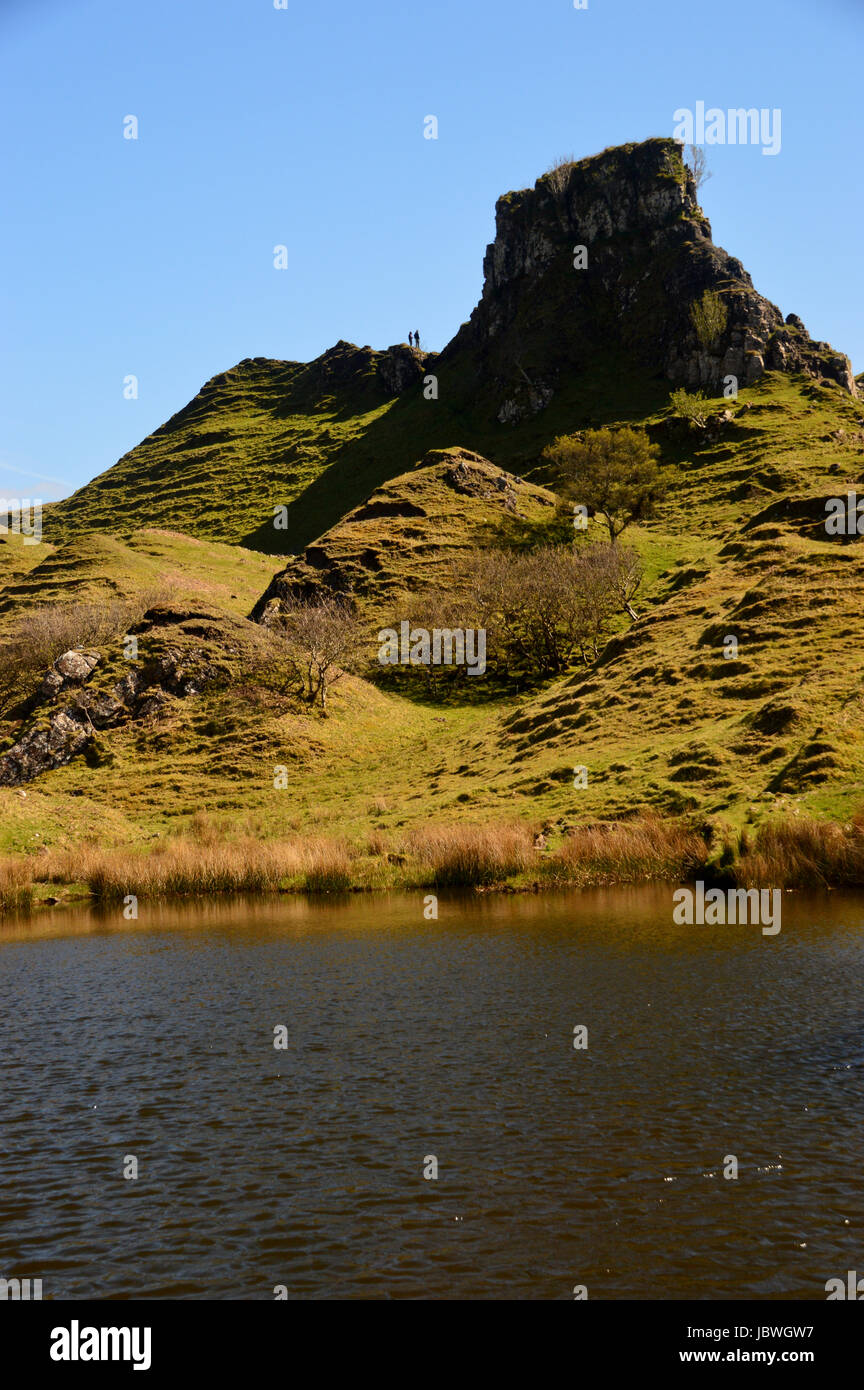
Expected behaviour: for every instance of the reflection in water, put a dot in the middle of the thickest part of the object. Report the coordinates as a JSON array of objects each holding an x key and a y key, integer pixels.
[{"x": 454, "y": 1038}]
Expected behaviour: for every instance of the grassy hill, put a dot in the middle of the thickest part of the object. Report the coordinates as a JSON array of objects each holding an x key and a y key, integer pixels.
[
  {"x": 385, "y": 489},
  {"x": 414, "y": 527},
  {"x": 548, "y": 349},
  {"x": 663, "y": 722},
  {"x": 95, "y": 567}
]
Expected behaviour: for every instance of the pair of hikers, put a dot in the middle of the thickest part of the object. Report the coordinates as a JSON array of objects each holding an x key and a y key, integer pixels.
[{"x": 414, "y": 339}]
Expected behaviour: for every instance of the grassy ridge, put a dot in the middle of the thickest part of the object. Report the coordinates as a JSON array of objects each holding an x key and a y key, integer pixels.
[{"x": 664, "y": 724}]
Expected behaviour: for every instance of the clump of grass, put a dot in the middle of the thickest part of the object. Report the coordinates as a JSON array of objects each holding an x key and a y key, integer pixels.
[
  {"x": 185, "y": 867},
  {"x": 16, "y": 885},
  {"x": 328, "y": 867},
  {"x": 628, "y": 852},
  {"x": 204, "y": 830},
  {"x": 472, "y": 855},
  {"x": 801, "y": 852}
]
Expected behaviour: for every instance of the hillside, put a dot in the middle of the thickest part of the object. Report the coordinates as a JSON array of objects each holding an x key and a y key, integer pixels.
[
  {"x": 548, "y": 349},
  {"x": 94, "y": 567},
  {"x": 413, "y": 527},
  {"x": 386, "y": 489}
]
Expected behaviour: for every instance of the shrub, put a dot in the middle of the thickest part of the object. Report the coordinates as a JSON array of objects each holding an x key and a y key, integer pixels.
[
  {"x": 558, "y": 173},
  {"x": 689, "y": 406},
  {"x": 709, "y": 316}
]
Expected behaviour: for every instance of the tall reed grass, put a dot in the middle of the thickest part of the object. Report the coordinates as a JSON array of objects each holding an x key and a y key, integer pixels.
[
  {"x": 206, "y": 860},
  {"x": 16, "y": 884},
  {"x": 206, "y": 864},
  {"x": 628, "y": 852},
  {"x": 799, "y": 852},
  {"x": 471, "y": 855}
]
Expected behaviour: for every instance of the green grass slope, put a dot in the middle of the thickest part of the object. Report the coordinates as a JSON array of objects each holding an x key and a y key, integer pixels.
[
  {"x": 93, "y": 567},
  {"x": 414, "y": 527}
]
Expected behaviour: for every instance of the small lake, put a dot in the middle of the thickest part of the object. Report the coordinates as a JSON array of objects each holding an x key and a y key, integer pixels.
[{"x": 408, "y": 1040}]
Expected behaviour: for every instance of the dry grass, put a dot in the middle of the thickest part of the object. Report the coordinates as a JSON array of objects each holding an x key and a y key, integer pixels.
[
  {"x": 628, "y": 853},
  {"x": 327, "y": 866},
  {"x": 16, "y": 884},
  {"x": 205, "y": 864},
  {"x": 377, "y": 844},
  {"x": 803, "y": 853},
  {"x": 43, "y": 634},
  {"x": 467, "y": 855},
  {"x": 181, "y": 867},
  {"x": 791, "y": 853}
]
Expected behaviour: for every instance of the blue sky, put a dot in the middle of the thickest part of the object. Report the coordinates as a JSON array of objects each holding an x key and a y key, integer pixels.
[{"x": 304, "y": 127}]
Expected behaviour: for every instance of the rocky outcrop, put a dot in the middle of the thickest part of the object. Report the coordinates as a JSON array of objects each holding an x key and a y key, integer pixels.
[
  {"x": 42, "y": 747},
  {"x": 72, "y": 668},
  {"x": 609, "y": 254},
  {"x": 466, "y": 477},
  {"x": 401, "y": 367},
  {"x": 175, "y": 671}
]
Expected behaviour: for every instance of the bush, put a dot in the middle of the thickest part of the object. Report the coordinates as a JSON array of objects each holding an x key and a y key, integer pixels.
[
  {"x": 541, "y": 610},
  {"x": 689, "y": 406},
  {"x": 709, "y": 317},
  {"x": 558, "y": 173},
  {"x": 42, "y": 634}
]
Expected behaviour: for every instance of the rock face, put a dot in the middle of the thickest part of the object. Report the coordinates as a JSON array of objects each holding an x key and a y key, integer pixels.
[
  {"x": 647, "y": 257},
  {"x": 400, "y": 367},
  {"x": 41, "y": 748}
]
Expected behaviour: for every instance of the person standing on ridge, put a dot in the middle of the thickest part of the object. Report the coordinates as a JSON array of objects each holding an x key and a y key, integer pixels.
[
  {"x": 410, "y": 339},
  {"x": 417, "y": 338}
]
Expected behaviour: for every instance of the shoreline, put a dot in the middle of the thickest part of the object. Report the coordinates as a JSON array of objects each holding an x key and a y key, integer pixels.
[{"x": 511, "y": 857}]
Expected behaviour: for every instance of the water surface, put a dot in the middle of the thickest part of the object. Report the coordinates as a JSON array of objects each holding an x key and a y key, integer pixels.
[{"x": 409, "y": 1038}]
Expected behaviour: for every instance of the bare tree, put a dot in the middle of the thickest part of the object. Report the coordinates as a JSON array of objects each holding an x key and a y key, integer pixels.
[
  {"x": 697, "y": 162},
  {"x": 546, "y": 607},
  {"x": 325, "y": 632},
  {"x": 621, "y": 571},
  {"x": 558, "y": 172}
]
